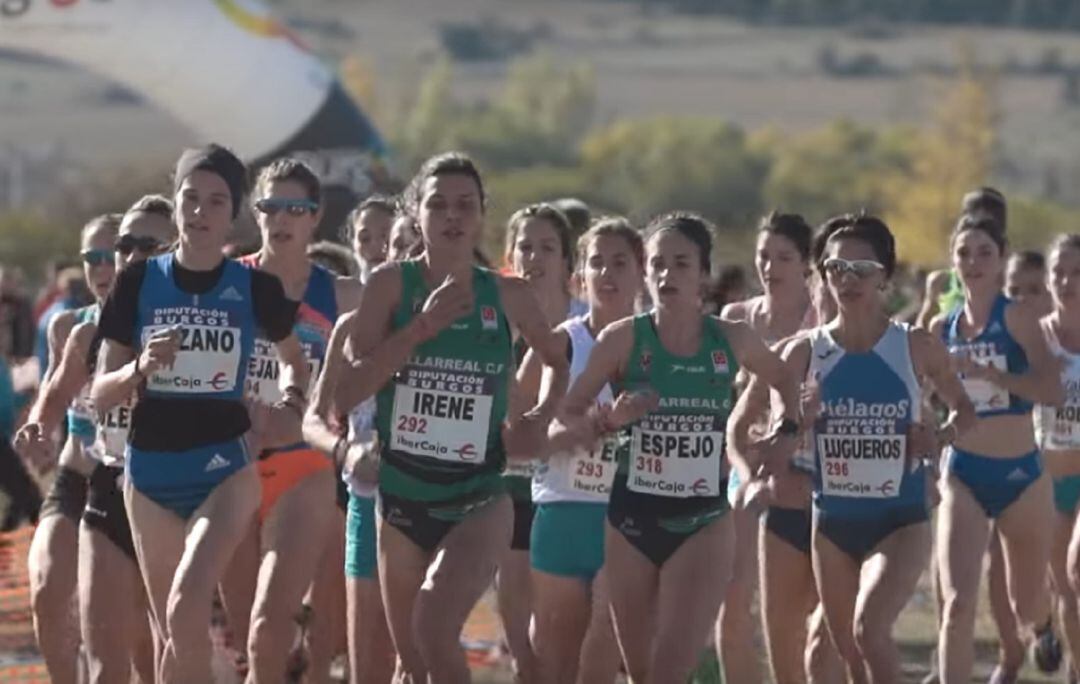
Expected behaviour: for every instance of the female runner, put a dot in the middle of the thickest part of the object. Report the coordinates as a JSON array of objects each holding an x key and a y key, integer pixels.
[
  {"x": 180, "y": 329},
  {"x": 433, "y": 339},
  {"x": 669, "y": 544},
  {"x": 993, "y": 473}
]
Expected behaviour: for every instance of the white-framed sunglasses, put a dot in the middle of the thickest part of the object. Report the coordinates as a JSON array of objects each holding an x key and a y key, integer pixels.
[{"x": 861, "y": 268}]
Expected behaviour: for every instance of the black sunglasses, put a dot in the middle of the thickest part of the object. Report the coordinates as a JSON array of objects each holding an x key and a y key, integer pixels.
[
  {"x": 294, "y": 207},
  {"x": 126, "y": 244}
]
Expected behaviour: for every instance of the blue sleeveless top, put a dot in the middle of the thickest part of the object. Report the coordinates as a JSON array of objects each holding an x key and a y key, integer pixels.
[
  {"x": 315, "y": 319},
  {"x": 868, "y": 401},
  {"x": 217, "y": 328},
  {"x": 992, "y": 346}
]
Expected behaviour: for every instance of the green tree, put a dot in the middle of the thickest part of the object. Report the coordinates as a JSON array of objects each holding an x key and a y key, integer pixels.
[{"x": 647, "y": 166}]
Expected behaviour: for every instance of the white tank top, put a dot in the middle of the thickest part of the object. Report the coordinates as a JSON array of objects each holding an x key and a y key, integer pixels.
[
  {"x": 584, "y": 475},
  {"x": 1058, "y": 429}
]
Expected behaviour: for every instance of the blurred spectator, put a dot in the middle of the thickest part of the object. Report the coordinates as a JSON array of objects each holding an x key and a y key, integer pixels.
[
  {"x": 24, "y": 498},
  {"x": 51, "y": 291},
  {"x": 16, "y": 318}
]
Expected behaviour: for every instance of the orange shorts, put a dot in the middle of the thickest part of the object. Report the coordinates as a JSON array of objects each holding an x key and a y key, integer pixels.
[{"x": 281, "y": 469}]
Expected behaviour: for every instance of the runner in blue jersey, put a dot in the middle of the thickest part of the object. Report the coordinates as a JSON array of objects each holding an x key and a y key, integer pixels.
[
  {"x": 112, "y": 604},
  {"x": 871, "y": 536},
  {"x": 179, "y": 329},
  {"x": 53, "y": 558},
  {"x": 298, "y": 481},
  {"x": 668, "y": 549},
  {"x": 572, "y": 635},
  {"x": 994, "y": 473}
]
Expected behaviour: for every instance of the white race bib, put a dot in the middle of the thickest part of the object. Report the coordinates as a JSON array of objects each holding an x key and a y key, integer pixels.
[
  {"x": 985, "y": 395},
  {"x": 263, "y": 383},
  {"x": 113, "y": 433},
  {"x": 206, "y": 363},
  {"x": 1060, "y": 427},
  {"x": 449, "y": 423},
  {"x": 862, "y": 466},
  {"x": 592, "y": 471},
  {"x": 676, "y": 456}
]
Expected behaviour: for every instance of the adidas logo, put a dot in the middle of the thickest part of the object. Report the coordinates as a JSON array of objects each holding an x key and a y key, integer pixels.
[
  {"x": 231, "y": 295},
  {"x": 1017, "y": 475},
  {"x": 216, "y": 463}
]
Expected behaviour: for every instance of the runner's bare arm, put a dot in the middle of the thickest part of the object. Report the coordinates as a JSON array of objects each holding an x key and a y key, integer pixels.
[
  {"x": 117, "y": 377},
  {"x": 748, "y": 409},
  {"x": 1041, "y": 382},
  {"x": 67, "y": 379},
  {"x": 379, "y": 353},
  {"x": 931, "y": 360},
  {"x": 752, "y": 354},
  {"x": 525, "y": 315},
  {"x": 319, "y": 421},
  {"x": 575, "y": 424},
  {"x": 294, "y": 367}
]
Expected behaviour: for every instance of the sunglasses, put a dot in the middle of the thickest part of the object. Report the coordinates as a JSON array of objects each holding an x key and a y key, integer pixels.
[
  {"x": 293, "y": 207},
  {"x": 861, "y": 268},
  {"x": 126, "y": 244},
  {"x": 97, "y": 257}
]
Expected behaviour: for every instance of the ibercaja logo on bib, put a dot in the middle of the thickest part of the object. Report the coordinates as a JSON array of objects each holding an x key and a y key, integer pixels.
[
  {"x": 719, "y": 362},
  {"x": 488, "y": 319}
]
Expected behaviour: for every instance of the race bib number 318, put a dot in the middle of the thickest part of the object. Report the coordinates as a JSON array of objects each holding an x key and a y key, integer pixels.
[{"x": 677, "y": 456}]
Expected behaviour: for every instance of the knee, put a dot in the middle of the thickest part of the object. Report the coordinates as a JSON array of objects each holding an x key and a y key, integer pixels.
[
  {"x": 958, "y": 607},
  {"x": 268, "y": 633},
  {"x": 435, "y": 639},
  {"x": 870, "y": 633}
]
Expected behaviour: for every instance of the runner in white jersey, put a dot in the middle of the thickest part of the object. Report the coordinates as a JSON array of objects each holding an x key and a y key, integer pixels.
[
  {"x": 538, "y": 250},
  {"x": 351, "y": 440},
  {"x": 572, "y": 637},
  {"x": 1057, "y": 432}
]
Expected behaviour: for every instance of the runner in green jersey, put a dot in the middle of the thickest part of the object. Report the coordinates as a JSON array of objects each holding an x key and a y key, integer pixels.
[
  {"x": 668, "y": 543},
  {"x": 433, "y": 340}
]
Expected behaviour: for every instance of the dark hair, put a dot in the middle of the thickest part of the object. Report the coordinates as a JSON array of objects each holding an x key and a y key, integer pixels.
[
  {"x": 543, "y": 212},
  {"x": 731, "y": 279},
  {"x": 1065, "y": 241},
  {"x": 577, "y": 213},
  {"x": 791, "y": 226},
  {"x": 861, "y": 226},
  {"x": 692, "y": 226},
  {"x": 288, "y": 169},
  {"x": 824, "y": 232},
  {"x": 218, "y": 160},
  {"x": 986, "y": 200},
  {"x": 158, "y": 205},
  {"x": 383, "y": 203},
  {"x": 105, "y": 222},
  {"x": 335, "y": 258},
  {"x": 1028, "y": 259},
  {"x": 446, "y": 164},
  {"x": 615, "y": 226},
  {"x": 986, "y": 224}
]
